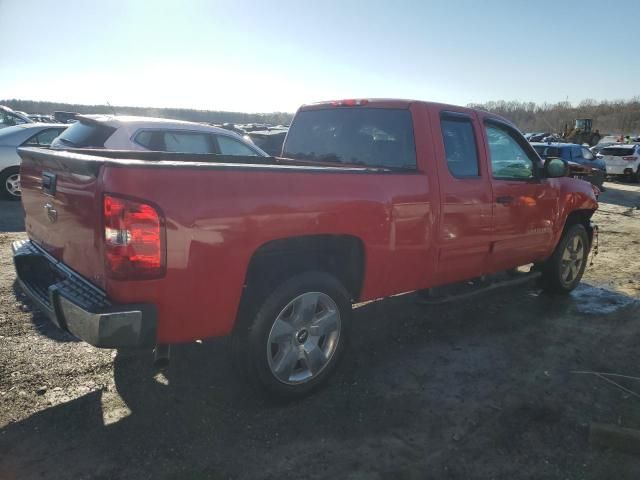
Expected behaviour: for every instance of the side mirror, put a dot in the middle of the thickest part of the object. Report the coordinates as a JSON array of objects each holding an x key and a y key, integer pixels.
[{"x": 556, "y": 167}]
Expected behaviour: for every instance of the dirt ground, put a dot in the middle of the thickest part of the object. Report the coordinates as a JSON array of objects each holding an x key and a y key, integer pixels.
[{"x": 478, "y": 389}]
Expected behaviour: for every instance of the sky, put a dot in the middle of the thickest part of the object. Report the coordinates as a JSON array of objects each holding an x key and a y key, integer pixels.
[{"x": 265, "y": 56}]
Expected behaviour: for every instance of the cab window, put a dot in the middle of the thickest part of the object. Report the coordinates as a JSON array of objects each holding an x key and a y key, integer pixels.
[
  {"x": 460, "y": 146},
  {"x": 509, "y": 160}
]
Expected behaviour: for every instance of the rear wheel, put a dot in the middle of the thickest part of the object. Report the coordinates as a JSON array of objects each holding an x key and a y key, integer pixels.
[
  {"x": 10, "y": 184},
  {"x": 563, "y": 271},
  {"x": 294, "y": 339}
]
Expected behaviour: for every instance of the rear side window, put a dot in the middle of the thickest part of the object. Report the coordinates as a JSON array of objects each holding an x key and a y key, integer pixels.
[
  {"x": 378, "y": 137},
  {"x": 576, "y": 152},
  {"x": 188, "y": 142},
  {"x": 149, "y": 139},
  {"x": 44, "y": 138},
  {"x": 460, "y": 146},
  {"x": 85, "y": 135},
  {"x": 231, "y": 146}
]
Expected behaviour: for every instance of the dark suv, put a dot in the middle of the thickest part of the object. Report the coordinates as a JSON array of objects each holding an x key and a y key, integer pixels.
[{"x": 594, "y": 169}]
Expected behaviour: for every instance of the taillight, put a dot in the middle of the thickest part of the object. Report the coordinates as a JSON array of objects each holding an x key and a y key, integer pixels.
[
  {"x": 133, "y": 239},
  {"x": 629, "y": 159}
]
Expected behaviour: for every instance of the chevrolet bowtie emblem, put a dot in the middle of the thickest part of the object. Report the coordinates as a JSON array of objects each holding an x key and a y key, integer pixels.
[{"x": 52, "y": 213}]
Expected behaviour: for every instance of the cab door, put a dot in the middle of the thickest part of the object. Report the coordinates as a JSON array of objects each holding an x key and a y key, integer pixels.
[
  {"x": 525, "y": 205},
  {"x": 464, "y": 229}
]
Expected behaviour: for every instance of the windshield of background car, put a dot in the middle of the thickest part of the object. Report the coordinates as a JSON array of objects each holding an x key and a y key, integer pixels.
[
  {"x": 84, "y": 135},
  {"x": 361, "y": 136},
  {"x": 7, "y": 119}
]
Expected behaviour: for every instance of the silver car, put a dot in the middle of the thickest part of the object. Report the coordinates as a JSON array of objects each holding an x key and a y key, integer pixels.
[
  {"x": 27, "y": 134},
  {"x": 9, "y": 118},
  {"x": 123, "y": 132}
]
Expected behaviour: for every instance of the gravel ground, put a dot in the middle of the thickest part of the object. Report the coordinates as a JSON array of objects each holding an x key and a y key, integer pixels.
[{"x": 476, "y": 389}]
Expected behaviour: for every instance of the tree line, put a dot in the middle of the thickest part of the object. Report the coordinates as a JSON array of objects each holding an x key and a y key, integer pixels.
[
  {"x": 209, "y": 116},
  {"x": 609, "y": 117}
]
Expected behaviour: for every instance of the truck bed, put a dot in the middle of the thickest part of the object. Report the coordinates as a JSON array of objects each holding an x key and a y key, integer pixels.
[{"x": 217, "y": 213}]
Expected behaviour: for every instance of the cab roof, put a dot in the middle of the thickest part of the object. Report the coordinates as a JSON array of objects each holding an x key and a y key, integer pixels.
[{"x": 395, "y": 103}]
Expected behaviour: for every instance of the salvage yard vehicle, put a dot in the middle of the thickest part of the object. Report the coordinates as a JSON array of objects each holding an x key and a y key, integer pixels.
[
  {"x": 121, "y": 132},
  {"x": 27, "y": 134},
  {"x": 622, "y": 160},
  {"x": 594, "y": 168},
  {"x": 371, "y": 198},
  {"x": 270, "y": 141},
  {"x": 11, "y": 118}
]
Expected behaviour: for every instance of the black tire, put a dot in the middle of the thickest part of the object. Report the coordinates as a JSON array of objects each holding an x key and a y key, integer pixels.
[
  {"x": 552, "y": 279},
  {"x": 5, "y": 193},
  {"x": 251, "y": 341}
]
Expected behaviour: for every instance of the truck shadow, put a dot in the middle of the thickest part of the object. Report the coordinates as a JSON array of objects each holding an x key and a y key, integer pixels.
[
  {"x": 622, "y": 194},
  {"x": 41, "y": 322},
  {"x": 11, "y": 216},
  {"x": 413, "y": 371}
]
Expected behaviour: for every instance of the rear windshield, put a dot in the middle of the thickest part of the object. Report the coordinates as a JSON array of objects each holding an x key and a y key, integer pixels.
[
  {"x": 618, "y": 151},
  {"x": 360, "y": 136},
  {"x": 84, "y": 135},
  {"x": 546, "y": 152}
]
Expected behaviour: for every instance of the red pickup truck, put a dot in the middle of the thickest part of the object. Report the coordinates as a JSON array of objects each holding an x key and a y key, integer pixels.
[{"x": 370, "y": 198}]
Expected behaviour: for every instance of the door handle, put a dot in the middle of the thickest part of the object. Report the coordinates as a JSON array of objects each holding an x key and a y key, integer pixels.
[{"x": 504, "y": 200}]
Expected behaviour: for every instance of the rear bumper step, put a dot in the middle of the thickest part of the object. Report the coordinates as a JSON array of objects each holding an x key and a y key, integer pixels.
[{"x": 79, "y": 307}]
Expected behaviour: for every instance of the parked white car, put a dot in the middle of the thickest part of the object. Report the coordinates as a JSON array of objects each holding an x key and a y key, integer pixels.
[
  {"x": 27, "y": 134},
  {"x": 116, "y": 132},
  {"x": 622, "y": 160}
]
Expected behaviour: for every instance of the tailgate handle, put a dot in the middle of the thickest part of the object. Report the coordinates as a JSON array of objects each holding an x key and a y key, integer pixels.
[{"x": 49, "y": 183}]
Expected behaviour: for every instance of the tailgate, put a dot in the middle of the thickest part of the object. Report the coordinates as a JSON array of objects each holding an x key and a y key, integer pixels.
[{"x": 62, "y": 199}]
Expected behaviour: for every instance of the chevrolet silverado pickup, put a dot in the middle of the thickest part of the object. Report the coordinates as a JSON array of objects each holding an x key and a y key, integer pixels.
[{"x": 370, "y": 198}]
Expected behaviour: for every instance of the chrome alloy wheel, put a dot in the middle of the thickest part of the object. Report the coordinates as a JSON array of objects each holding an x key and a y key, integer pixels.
[
  {"x": 13, "y": 185},
  {"x": 572, "y": 259},
  {"x": 303, "y": 338}
]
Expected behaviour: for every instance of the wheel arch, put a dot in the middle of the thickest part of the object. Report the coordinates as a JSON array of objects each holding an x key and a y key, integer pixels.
[
  {"x": 342, "y": 256},
  {"x": 3, "y": 170},
  {"x": 579, "y": 217},
  {"x": 6, "y": 172}
]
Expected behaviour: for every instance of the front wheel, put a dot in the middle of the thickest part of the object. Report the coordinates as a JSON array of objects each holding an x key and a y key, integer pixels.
[
  {"x": 294, "y": 339},
  {"x": 563, "y": 271}
]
